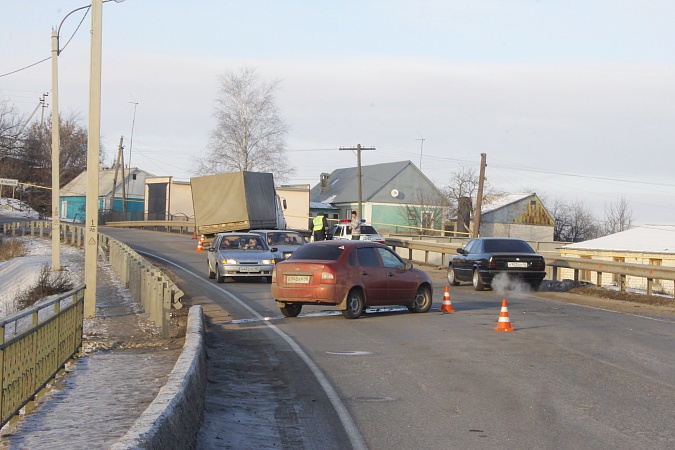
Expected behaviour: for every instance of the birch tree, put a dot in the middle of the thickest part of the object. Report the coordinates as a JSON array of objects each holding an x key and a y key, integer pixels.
[{"x": 250, "y": 134}]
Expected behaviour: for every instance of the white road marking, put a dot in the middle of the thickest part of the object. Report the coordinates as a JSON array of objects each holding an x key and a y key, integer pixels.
[{"x": 347, "y": 422}]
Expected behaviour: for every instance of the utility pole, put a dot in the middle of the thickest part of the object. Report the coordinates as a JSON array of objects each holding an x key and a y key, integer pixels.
[
  {"x": 120, "y": 157},
  {"x": 421, "y": 147},
  {"x": 479, "y": 196},
  {"x": 44, "y": 105},
  {"x": 133, "y": 124},
  {"x": 358, "y": 149}
]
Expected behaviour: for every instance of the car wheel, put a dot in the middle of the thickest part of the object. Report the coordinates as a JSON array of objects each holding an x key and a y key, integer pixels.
[
  {"x": 219, "y": 278},
  {"x": 291, "y": 309},
  {"x": 534, "y": 285},
  {"x": 355, "y": 305},
  {"x": 452, "y": 281},
  {"x": 212, "y": 274},
  {"x": 423, "y": 300},
  {"x": 478, "y": 284}
]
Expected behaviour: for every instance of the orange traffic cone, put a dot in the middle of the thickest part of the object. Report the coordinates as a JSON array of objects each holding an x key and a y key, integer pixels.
[
  {"x": 504, "y": 323},
  {"x": 200, "y": 246},
  {"x": 194, "y": 235},
  {"x": 446, "y": 307}
]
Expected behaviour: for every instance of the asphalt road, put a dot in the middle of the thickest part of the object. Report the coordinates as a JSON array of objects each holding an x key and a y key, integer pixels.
[{"x": 569, "y": 377}]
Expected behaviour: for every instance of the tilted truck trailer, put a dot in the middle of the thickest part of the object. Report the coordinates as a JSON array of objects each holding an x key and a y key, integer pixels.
[{"x": 236, "y": 201}]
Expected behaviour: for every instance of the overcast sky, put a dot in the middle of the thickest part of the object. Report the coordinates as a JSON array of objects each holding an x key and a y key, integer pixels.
[{"x": 571, "y": 99}]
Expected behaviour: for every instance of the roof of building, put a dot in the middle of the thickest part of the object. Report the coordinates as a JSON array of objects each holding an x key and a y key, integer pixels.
[
  {"x": 319, "y": 205},
  {"x": 504, "y": 200},
  {"x": 78, "y": 186},
  {"x": 344, "y": 186},
  {"x": 642, "y": 239}
]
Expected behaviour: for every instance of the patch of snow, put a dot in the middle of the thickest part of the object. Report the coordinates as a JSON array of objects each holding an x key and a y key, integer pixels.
[
  {"x": 16, "y": 208},
  {"x": 20, "y": 274}
]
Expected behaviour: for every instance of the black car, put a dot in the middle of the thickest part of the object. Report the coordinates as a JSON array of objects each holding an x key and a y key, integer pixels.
[{"x": 483, "y": 258}]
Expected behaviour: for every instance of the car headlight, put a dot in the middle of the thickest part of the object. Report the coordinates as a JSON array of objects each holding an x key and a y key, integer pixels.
[
  {"x": 229, "y": 261},
  {"x": 268, "y": 261}
]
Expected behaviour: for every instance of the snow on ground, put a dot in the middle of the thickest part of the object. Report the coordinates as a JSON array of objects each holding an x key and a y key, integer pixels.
[
  {"x": 20, "y": 274},
  {"x": 13, "y": 207}
]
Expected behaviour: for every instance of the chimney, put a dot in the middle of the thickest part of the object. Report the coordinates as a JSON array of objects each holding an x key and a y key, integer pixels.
[
  {"x": 463, "y": 214},
  {"x": 324, "y": 183}
]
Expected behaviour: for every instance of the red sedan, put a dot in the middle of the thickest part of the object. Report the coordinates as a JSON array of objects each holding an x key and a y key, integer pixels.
[{"x": 350, "y": 275}]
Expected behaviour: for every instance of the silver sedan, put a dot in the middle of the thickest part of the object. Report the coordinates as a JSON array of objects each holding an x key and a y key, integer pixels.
[{"x": 235, "y": 255}]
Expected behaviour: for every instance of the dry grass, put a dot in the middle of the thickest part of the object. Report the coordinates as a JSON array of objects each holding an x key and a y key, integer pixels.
[
  {"x": 49, "y": 283},
  {"x": 11, "y": 248}
]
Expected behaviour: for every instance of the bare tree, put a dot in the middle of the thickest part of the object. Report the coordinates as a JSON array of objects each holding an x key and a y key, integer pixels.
[
  {"x": 464, "y": 184},
  {"x": 31, "y": 161},
  {"x": 10, "y": 124},
  {"x": 249, "y": 135},
  {"x": 574, "y": 222},
  {"x": 425, "y": 212},
  {"x": 618, "y": 216},
  {"x": 559, "y": 211}
]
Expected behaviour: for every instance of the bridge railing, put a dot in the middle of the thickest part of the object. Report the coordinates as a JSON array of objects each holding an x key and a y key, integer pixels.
[
  {"x": 35, "y": 345},
  {"x": 437, "y": 253},
  {"x": 147, "y": 284}
]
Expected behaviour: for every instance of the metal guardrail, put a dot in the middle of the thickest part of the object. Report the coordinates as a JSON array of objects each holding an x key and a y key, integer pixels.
[
  {"x": 648, "y": 271},
  {"x": 35, "y": 345},
  {"x": 155, "y": 291},
  {"x": 167, "y": 225},
  {"x": 623, "y": 270}
]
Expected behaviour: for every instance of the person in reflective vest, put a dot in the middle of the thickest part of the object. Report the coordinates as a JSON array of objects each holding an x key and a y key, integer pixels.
[{"x": 319, "y": 227}]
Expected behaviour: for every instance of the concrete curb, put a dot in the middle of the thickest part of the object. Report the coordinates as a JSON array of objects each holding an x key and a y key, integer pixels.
[{"x": 173, "y": 418}]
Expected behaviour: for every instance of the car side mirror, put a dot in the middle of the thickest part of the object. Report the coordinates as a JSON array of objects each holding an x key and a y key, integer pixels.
[
  {"x": 212, "y": 249},
  {"x": 460, "y": 251},
  {"x": 408, "y": 265},
  {"x": 274, "y": 249}
]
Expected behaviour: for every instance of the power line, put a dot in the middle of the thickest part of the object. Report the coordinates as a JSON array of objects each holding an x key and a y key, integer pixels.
[
  {"x": 24, "y": 68},
  {"x": 47, "y": 59}
]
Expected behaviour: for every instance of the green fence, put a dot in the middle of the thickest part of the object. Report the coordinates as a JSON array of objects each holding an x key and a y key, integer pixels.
[{"x": 35, "y": 345}]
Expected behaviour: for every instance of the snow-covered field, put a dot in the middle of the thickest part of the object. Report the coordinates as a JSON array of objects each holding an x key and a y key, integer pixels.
[{"x": 22, "y": 273}]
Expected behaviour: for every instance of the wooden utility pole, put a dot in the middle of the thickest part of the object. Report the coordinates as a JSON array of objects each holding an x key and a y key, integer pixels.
[
  {"x": 479, "y": 197},
  {"x": 421, "y": 148},
  {"x": 358, "y": 149},
  {"x": 120, "y": 158}
]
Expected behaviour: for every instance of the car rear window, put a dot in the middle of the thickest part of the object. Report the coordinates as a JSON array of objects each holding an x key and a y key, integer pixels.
[
  {"x": 367, "y": 229},
  {"x": 318, "y": 251},
  {"x": 507, "y": 246}
]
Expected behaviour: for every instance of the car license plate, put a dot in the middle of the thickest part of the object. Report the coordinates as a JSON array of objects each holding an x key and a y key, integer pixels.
[
  {"x": 249, "y": 269},
  {"x": 300, "y": 279},
  {"x": 516, "y": 264}
]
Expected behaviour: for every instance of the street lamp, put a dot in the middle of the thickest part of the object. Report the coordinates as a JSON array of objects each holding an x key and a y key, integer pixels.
[
  {"x": 56, "y": 141},
  {"x": 93, "y": 150},
  {"x": 56, "y": 151}
]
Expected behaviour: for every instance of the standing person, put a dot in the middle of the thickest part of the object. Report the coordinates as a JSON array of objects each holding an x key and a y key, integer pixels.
[
  {"x": 356, "y": 227},
  {"x": 319, "y": 227}
]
